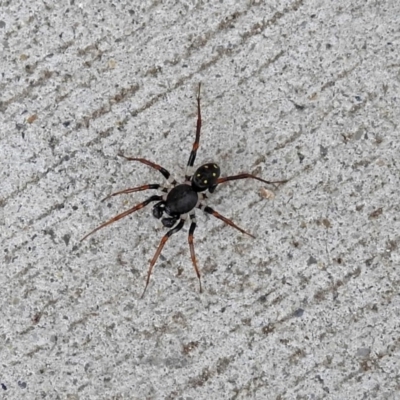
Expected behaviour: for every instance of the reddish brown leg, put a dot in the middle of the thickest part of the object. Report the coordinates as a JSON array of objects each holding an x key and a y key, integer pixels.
[
  {"x": 136, "y": 189},
  {"x": 191, "y": 246},
  {"x": 159, "y": 249},
  {"x": 245, "y": 176},
  {"x": 209, "y": 210},
  {"x": 124, "y": 214},
  {"x": 196, "y": 143},
  {"x": 162, "y": 170}
]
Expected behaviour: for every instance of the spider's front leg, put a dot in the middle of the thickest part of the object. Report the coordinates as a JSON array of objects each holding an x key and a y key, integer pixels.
[{"x": 164, "y": 239}]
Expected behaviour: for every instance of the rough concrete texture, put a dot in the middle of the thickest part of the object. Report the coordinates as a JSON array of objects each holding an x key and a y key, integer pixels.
[{"x": 296, "y": 89}]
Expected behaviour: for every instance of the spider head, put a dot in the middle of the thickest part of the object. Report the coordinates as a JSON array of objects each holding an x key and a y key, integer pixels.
[{"x": 205, "y": 178}]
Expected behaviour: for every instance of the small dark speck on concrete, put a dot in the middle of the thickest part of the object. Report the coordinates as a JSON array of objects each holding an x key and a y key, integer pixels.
[
  {"x": 245, "y": 125},
  {"x": 60, "y": 206},
  {"x": 363, "y": 352},
  {"x": 74, "y": 208},
  {"x": 66, "y": 123},
  {"x": 3, "y": 386},
  {"x": 263, "y": 298},
  {"x": 268, "y": 271},
  {"x": 49, "y": 232},
  {"x": 301, "y": 157},
  {"x": 311, "y": 261},
  {"x": 298, "y": 313},
  {"x": 368, "y": 262},
  {"x": 376, "y": 213},
  {"x": 66, "y": 238},
  {"x": 52, "y": 142},
  {"x": 358, "y": 98},
  {"x": 223, "y": 309},
  {"x": 2, "y": 24},
  {"x": 22, "y": 384},
  {"x": 300, "y": 107},
  {"x": 323, "y": 151}
]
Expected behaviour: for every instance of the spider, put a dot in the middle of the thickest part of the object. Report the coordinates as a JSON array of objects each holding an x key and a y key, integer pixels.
[{"x": 179, "y": 200}]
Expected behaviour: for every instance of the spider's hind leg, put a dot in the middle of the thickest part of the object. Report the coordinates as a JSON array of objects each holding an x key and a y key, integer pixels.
[
  {"x": 196, "y": 143},
  {"x": 216, "y": 214},
  {"x": 246, "y": 176}
]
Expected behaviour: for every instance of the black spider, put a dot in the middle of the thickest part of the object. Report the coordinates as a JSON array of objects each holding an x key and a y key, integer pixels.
[{"x": 180, "y": 200}]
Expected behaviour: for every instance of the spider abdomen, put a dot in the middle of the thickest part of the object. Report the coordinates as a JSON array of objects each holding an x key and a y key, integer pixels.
[
  {"x": 206, "y": 177},
  {"x": 180, "y": 200}
]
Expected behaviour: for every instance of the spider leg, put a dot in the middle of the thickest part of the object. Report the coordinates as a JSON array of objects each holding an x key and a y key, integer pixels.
[
  {"x": 216, "y": 214},
  {"x": 196, "y": 143},
  {"x": 124, "y": 214},
  {"x": 191, "y": 246},
  {"x": 166, "y": 174},
  {"x": 159, "y": 249},
  {"x": 136, "y": 189},
  {"x": 245, "y": 176}
]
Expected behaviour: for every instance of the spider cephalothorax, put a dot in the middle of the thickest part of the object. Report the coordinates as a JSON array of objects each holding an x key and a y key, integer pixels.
[
  {"x": 183, "y": 198},
  {"x": 179, "y": 201}
]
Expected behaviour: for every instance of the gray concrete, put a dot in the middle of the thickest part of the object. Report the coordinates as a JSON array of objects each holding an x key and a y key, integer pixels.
[{"x": 304, "y": 90}]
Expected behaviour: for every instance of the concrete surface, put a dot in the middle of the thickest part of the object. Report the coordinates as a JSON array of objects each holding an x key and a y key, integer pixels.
[{"x": 305, "y": 90}]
